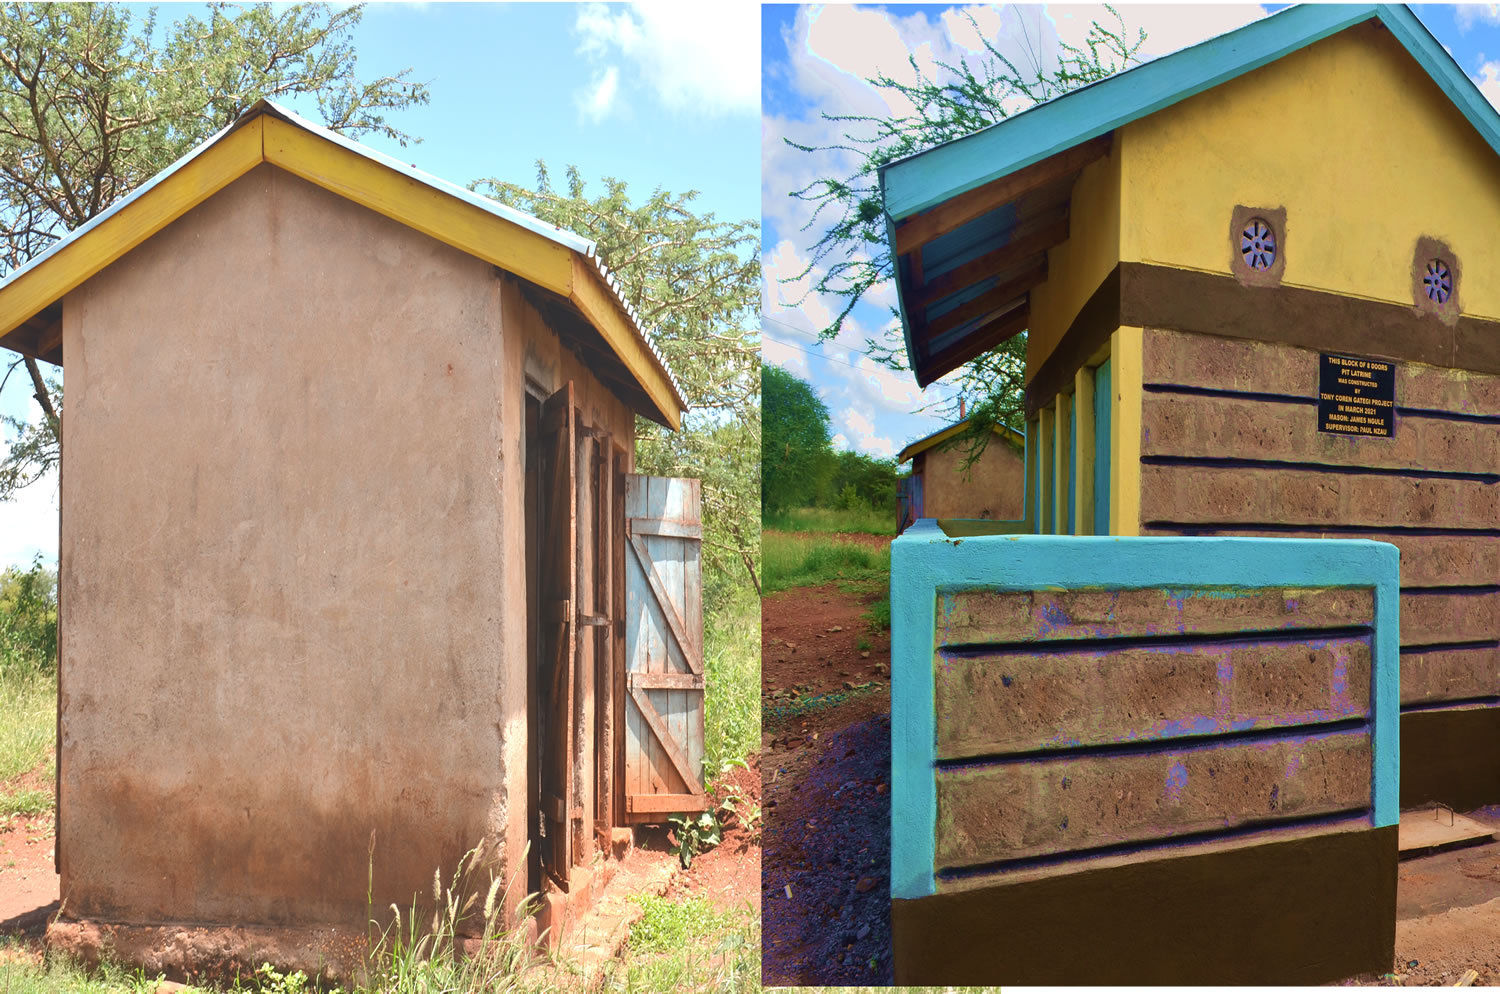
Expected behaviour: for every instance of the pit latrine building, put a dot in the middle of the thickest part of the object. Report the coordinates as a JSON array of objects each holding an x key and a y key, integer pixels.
[
  {"x": 1258, "y": 279},
  {"x": 356, "y": 572}
]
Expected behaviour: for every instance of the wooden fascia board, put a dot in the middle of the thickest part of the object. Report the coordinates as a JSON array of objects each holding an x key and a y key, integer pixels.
[
  {"x": 597, "y": 303},
  {"x": 218, "y": 165}
]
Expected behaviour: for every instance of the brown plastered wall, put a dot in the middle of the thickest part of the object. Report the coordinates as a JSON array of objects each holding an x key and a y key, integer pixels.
[
  {"x": 1242, "y": 438},
  {"x": 293, "y": 565},
  {"x": 1231, "y": 709},
  {"x": 535, "y": 354},
  {"x": 994, "y": 489}
]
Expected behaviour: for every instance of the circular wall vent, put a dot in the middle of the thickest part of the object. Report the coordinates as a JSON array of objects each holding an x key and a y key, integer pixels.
[
  {"x": 1438, "y": 281},
  {"x": 1258, "y": 245}
]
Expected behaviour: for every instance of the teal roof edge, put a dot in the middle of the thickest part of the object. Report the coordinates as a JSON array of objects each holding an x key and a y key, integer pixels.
[{"x": 925, "y": 179}]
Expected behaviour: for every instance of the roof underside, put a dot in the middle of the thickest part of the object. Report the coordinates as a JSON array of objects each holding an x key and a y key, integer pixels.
[
  {"x": 970, "y": 221},
  {"x": 561, "y": 272}
]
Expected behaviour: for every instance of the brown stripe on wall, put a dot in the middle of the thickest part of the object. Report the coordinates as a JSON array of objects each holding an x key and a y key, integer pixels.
[
  {"x": 1147, "y": 296},
  {"x": 1307, "y": 910}
]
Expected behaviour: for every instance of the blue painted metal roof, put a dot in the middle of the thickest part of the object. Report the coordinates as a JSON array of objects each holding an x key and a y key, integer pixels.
[{"x": 925, "y": 179}]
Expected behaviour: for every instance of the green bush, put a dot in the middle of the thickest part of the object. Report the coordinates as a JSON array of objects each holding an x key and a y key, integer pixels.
[{"x": 28, "y": 619}]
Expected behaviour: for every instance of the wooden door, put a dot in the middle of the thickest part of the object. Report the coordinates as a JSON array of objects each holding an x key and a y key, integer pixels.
[
  {"x": 558, "y": 436},
  {"x": 663, "y": 649}
]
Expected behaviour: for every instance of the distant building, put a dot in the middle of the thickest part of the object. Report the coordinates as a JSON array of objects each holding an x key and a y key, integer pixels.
[{"x": 994, "y": 487}]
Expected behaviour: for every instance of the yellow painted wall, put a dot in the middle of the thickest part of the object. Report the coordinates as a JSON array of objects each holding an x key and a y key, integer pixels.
[
  {"x": 1077, "y": 266},
  {"x": 1353, "y": 138}
]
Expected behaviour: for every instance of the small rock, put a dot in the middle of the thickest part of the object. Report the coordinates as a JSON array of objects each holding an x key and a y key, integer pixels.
[
  {"x": 864, "y": 655},
  {"x": 879, "y": 788},
  {"x": 864, "y": 930},
  {"x": 836, "y": 628},
  {"x": 866, "y": 884}
]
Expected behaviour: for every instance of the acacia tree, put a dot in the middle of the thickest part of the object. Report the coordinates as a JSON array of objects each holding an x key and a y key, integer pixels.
[
  {"x": 93, "y": 103},
  {"x": 851, "y": 257},
  {"x": 694, "y": 281}
]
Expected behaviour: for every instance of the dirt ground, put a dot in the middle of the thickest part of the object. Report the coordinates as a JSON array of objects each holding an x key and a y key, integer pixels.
[
  {"x": 729, "y": 874},
  {"x": 825, "y": 767},
  {"x": 826, "y": 860}
]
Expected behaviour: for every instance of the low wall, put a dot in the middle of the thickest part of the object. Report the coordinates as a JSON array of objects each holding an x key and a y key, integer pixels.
[{"x": 1147, "y": 749}]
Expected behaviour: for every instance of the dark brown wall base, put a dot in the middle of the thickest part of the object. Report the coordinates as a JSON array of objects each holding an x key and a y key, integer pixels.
[
  {"x": 1304, "y": 911},
  {"x": 1452, "y": 756}
]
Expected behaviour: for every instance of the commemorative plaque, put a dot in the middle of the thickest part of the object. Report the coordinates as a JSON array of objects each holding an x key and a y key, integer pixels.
[{"x": 1356, "y": 396}]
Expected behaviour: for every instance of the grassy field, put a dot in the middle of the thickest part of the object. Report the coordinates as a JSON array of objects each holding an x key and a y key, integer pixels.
[
  {"x": 789, "y": 561},
  {"x": 28, "y": 722},
  {"x": 731, "y": 663},
  {"x": 823, "y": 519}
]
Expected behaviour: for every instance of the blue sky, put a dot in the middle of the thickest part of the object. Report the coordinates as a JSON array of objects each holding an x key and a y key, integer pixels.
[
  {"x": 658, "y": 96},
  {"x": 815, "y": 59}
]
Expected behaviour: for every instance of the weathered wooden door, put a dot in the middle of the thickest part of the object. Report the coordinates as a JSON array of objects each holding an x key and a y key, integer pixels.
[
  {"x": 663, "y": 649},
  {"x": 558, "y": 437}
]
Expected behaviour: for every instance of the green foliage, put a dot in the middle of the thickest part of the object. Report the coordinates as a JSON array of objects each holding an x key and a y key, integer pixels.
[
  {"x": 695, "y": 282},
  {"x": 825, "y": 519},
  {"x": 93, "y": 103},
  {"x": 852, "y": 256},
  {"x": 694, "y": 834},
  {"x": 28, "y": 727},
  {"x": 28, "y": 618},
  {"x": 731, "y": 670},
  {"x": 796, "y": 438},
  {"x": 686, "y": 944},
  {"x": 668, "y": 923},
  {"x": 808, "y": 561},
  {"x": 854, "y": 481},
  {"x": 269, "y": 981}
]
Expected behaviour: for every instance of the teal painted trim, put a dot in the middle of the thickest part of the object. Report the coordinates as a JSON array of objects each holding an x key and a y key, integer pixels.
[
  {"x": 925, "y": 565},
  {"x": 1385, "y": 694},
  {"x": 914, "y": 721},
  {"x": 1102, "y": 409},
  {"x": 1072, "y": 469},
  {"x": 921, "y": 181},
  {"x": 1034, "y": 475}
]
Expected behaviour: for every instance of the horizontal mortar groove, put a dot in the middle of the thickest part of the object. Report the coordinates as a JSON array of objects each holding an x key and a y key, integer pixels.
[
  {"x": 1457, "y": 588},
  {"x": 1281, "y": 464},
  {"x": 1280, "y": 398},
  {"x": 1461, "y": 703},
  {"x": 1412, "y": 650},
  {"x": 1246, "y": 637},
  {"x": 1140, "y": 747},
  {"x": 1339, "y": 819},
  {"x": 1196, "y": 529}
]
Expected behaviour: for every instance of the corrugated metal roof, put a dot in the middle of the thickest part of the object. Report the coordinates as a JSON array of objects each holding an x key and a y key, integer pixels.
[{"x": 576, "y": 243}]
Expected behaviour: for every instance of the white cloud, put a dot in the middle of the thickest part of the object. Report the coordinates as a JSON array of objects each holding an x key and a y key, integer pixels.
[
  {"x": 1488, "y": 82},
  {"x": 1469, "y": 14},
  {"x": 694, "y": 58},
  {"x": 864, "y": 437},
  {"x": 597, "y": 100}
]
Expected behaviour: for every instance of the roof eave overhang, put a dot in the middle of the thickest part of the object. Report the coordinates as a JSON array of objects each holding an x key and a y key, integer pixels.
[
  {"x": 913, "y": 186},
  {"x": 30, "y": 297}
]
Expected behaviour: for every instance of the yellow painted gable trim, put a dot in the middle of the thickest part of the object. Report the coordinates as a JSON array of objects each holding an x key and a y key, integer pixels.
[
  {"x": 213, "y": 169},
  {"x": 938, "y": 438},
  {"x": 590, "y": 295},
  {"x": 450, "y": 220}
]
